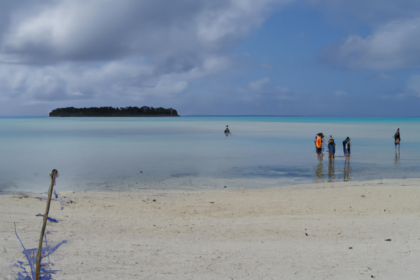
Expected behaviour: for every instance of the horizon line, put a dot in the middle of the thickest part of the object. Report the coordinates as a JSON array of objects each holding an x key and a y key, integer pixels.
[{"x": 293, "y": 116}]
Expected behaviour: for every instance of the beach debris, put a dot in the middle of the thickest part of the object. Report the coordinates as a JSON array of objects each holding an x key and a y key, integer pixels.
[
  {"x": 350, "y": 248},
  {"x": 363, "y": 195},
  {"x": 39, "y": 215},
  {"x": 141, "y": 171},
  {"x": 225, "y": 187},
  {"x": 154, "y": 200},
  {"x": 61, "y": 200},
  {"x": 306, "y": 234},
  {"x": 372, "y": 276},
  {"x": 388, "y": 239},
  {"x": 28, "y": 269},
  {"x": 52, "y": 220},
  {"x": 211, "y": 202}
]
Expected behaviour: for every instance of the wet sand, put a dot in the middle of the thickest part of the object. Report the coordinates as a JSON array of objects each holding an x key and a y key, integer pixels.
[{"x": 316, "y": 231}]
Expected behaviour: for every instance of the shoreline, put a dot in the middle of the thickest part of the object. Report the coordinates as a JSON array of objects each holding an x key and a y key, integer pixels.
[
  {"x": 290, "y": 232},
  {"x": 183, "y": 188}
]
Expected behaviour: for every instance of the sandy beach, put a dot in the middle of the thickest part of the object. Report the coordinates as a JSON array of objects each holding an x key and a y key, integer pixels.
[{"x": 316, "y": 231}]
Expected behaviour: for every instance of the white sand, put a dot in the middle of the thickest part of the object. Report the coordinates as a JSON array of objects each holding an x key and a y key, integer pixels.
[{"x": 244, "y": 234}]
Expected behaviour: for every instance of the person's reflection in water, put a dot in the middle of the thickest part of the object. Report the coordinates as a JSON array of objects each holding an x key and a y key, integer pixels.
[
  {"x": 347, "y": 170},
  {"x": 331, "y": 171},
  {"x": 318, "y": 172},
  {"x": 397, "y": 156}
]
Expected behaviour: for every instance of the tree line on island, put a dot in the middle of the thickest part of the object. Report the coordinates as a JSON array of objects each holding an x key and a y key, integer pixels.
[{"x": 144, "y": 111}]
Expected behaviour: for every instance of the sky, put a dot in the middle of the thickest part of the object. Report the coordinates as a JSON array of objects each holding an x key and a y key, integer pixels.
[{"x": 333, "y": 58}]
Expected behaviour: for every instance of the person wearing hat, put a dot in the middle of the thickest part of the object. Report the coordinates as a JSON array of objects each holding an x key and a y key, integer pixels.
[
  {"x": 318, "y": 144},
  {"x": 331, "y": 149}
]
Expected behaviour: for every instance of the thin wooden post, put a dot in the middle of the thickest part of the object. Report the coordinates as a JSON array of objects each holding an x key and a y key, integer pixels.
[{"x": 38, "y": 256}]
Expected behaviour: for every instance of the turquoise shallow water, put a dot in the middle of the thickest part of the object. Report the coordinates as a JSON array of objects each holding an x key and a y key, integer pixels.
[{"x": 192, "y": 152}]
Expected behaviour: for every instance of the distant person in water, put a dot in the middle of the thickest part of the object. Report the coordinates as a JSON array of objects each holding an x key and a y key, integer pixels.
[
  {"x": 331, "y": 149},
  {"x": 227, "y": 131},
  {"x": 318, "y": 145},
  {"x": 397, "y": 138},
  {"x": 331, "y": 138},
  {"x": 346, "y": 147}
]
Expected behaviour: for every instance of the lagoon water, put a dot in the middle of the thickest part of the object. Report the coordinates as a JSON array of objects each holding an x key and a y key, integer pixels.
[{"x": 193, "y": 153}]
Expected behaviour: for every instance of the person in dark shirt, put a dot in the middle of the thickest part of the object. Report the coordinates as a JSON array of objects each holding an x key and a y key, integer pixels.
[
  {"x": 331, "y": 149},
  {"x": 346, "y": 147},
  {"x": 227, "y": 131},
  {"x": 397, "y": 138}
]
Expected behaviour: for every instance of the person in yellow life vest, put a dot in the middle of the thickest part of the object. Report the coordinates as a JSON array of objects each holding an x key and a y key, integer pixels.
[{"x": 318, "y": 144}]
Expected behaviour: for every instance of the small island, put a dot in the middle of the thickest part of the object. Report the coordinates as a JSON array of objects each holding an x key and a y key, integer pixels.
[{"x": 144, "y": 111}]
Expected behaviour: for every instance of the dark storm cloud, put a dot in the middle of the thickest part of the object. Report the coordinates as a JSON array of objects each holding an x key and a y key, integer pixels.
[
  {"x": 97, "y": 30},
  {"x": 58, "y": 50},
  {"x": 103, "y": 30}
]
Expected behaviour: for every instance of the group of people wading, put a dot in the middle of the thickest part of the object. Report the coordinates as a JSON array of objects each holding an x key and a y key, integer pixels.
[{"x": 319, "y": 140}]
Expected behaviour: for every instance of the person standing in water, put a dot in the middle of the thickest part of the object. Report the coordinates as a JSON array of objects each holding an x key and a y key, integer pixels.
[
  {"x": 227, "y": 131},
  {"x": 331, "y": 149},
  {"x": 346, "y": 147},
  {"x": 397, "y": 138},
  {"x": 318, "y": 145}
]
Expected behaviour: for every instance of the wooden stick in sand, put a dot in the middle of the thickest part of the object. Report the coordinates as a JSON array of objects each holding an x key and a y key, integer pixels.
[{"x": 38, "y": 256}]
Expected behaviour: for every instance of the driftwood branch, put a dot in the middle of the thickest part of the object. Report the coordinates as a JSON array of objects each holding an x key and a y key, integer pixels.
[{"x": 44, "y": 225}]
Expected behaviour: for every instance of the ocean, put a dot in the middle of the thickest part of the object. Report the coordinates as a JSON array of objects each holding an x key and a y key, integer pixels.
[{"x": 192, "y": 152}]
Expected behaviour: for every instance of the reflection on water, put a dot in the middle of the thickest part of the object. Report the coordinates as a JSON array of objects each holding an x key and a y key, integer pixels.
[
  {"x": 397, "y": 156},
  {"x": 319, "y": 172},
  {"x": 331, "y": 170},
  {"x": 347, "y": 170}
]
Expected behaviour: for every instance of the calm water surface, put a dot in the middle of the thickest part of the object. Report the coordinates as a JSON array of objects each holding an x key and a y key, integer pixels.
[{"x": 193, "y": 152}]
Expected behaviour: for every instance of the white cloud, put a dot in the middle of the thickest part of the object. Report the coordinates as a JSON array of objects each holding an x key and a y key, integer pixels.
[
  {"x": 78, "y": 49},
  {"x": 395, "y": 45},
  {"x": 86, "y": 81},
  {"x": 234, "y": 21},
  {"x": 259, "y": 84}
]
